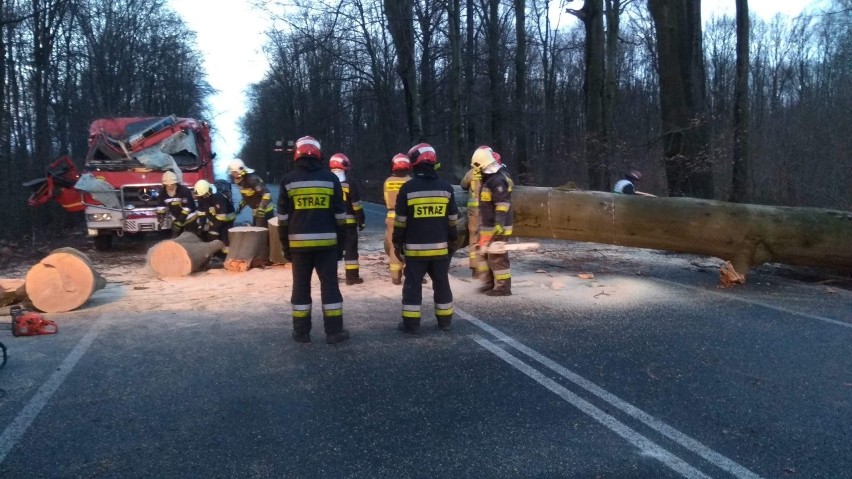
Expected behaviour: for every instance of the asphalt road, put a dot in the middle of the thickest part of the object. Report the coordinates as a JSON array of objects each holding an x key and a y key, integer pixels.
[{"x": 682, "y": 379}]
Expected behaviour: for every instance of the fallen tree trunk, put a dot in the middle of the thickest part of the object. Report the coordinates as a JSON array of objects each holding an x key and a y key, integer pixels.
[
  {"x": 181, "y": 256},
  {"x": 248, "y": 248},
  {"x": 746, "y": 235},
  {"x": 12, "y": 291},
  {"x": 63, "y": 281}
]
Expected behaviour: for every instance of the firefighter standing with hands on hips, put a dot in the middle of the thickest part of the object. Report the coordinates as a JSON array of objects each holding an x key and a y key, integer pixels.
[
  {"x": 495, "y": 216},
  {"x": 311, "y": 215},
  {"x": 340, "y": 165},
  {"x": 424, "y": 237},
  {"x": 400, "y": 173},
  {"x": 216, "y": 213},
  {"x": 254, "y": 192},
  {"x": 176, "y": 200}
]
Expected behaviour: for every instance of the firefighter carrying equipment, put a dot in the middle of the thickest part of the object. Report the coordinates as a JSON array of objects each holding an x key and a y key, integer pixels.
[{"x": 30, "y": 323}]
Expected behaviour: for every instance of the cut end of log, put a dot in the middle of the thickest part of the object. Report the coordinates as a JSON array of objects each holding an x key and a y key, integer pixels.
[{"x": 62, "y": 281}]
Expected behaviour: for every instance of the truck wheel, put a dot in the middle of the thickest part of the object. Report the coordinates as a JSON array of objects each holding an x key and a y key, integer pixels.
[{"x": 103, "y": 242}]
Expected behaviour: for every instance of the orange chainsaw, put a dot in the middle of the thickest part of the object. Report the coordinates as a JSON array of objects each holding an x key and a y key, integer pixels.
[{"x": 30, "y": 323}]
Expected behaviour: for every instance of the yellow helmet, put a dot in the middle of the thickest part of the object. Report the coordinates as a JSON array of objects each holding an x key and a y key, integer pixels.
[
  {"x": 170, "y": 178},
  {"x": 201, "y": 188},
  {"x": 482, "y": 158}
]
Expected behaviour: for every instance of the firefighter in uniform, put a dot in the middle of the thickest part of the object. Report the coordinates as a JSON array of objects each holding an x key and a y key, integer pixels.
[
  {"x": 400, "y": 173},
  {"x": 627, "y": 185},
  {"x": 176, "y": 200},
  {"x": 254, "y": 192},
  {"x": 471, "y": 183},
  {"x": 495, "y": 216},
  {"x": 425, "y": 235},
  {"x": 311, "y": 215},
  {"x": 339, "y": 164},
  {"x": 216, "y": 213}
]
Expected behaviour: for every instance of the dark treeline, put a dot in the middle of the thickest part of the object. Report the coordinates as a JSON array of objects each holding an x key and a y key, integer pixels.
[
  {"x": 67, "y": 62},
  {"x": 578, "y": 102},
  {"x": 645, "y": 84}
]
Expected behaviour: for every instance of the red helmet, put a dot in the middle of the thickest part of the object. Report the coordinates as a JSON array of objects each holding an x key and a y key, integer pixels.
[
  {"x": 339, "y": 161},
  {"x": 497, "y": 157},
  {"x": 400, "y": 162},
  {"x": 422, "y": 153},
  {"x": 307, "y": 146}
]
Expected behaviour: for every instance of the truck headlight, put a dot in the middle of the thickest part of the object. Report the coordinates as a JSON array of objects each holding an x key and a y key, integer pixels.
[{"x": 96, "y": 217}]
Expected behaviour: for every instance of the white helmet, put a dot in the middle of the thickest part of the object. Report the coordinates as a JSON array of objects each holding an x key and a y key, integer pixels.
[
  {"x": 482, "y": 158},
  {"x": 201, "y": 188},
  {"x": 170, "y": 178},
  {"x": 237, "y": 166}
]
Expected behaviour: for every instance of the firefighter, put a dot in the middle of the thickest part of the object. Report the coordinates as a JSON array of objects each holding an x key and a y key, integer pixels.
[
  {"x": 471, "y": 183},
  {"x": 400, "y": 173},
  {"x": 627, "y": 185},
  {"x": 176, "y": 201},
  {"x": 495, "y": 216},
  {"x": 254, "y": 192},
  {"x": 311, "y": 218},
  {"x": 340, "y": 165},
  {"x": 216, "y": 213},
  {"x": 424, "y": 238}
]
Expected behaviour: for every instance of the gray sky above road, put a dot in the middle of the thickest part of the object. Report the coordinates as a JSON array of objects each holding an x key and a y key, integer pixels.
[{"x": 230, "y": 34}]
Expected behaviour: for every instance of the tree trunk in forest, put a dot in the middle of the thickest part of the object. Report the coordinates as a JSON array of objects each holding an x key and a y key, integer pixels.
[
  {"x": 63, "y": 281},
  {"x": 745, "y": 235},
  {"x": 520, "y": 116},
  {"x": 682, "y": 97},
  {"x": 469, "y": 80},
  {"x": 455, "y": 78},
  {"x": 613, "y": 29},
  {"x": 741, "y": 178},
  {"x": 181, "y": 256},
  {"x": 495, "y": 74},
  {"x": 593, "y": 87},
  {"x": 400, "y": 15}
]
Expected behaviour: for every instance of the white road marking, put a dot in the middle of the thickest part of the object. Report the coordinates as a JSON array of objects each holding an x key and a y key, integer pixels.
[
  {"x": 686, "y": 441},
  {"x": 648, "y": 447},
  {"x": 757, "y": 303},
  {"x": 31, "y": 410}
]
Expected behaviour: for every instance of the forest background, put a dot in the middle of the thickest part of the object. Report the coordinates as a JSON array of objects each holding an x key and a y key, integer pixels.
[{"x": 732, "y": 108}]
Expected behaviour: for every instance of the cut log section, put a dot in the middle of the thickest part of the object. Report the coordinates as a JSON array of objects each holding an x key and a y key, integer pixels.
[
  {"x": 248, "y": 248},
  {"x": 276, "y": 253},
  {"x": 181, "y": 256},
  {"x": 63, "y": 281},
  {"x": 12, "y": 291}
]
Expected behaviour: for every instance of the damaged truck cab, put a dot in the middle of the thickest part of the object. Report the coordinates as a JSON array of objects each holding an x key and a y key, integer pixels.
[{"x": 124, "y": 167}]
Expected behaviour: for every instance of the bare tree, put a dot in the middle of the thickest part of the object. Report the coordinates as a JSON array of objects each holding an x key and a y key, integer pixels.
[
  {"x": 400, "y": 14},
  {"x": 740, "y": 181}
]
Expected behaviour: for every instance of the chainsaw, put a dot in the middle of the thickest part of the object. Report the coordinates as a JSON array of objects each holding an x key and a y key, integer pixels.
[{"x": 30, "y": 323}]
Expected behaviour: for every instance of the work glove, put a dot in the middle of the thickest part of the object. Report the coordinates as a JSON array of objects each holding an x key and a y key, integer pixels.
[
  {"x": 258, "y": 213},
  {"x": 361, "y": 225},
  {"x": 399, "y": 251},
  {"x": 498, "y": 230}
]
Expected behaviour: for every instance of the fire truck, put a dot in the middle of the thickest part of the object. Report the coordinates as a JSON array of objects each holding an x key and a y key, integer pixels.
[{"x": 121, "y": 178}]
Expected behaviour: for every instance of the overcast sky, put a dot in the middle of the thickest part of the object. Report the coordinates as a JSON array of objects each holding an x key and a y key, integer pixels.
[{"x": 231, "y": 37}]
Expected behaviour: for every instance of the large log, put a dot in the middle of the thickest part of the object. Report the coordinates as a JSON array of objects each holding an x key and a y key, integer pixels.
[
  {"x": 181, "y": 256},
  {"x": 248, "y": 247},
  {"x": 746, "y": 235},
  {"x": 63, "y": 281}
]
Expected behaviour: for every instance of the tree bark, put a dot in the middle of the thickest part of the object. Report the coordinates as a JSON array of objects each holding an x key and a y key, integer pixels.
[
  {"x": 520, "y": 116},
  {"x": 400, "y": 14},
  {"x": 459, "y": 165},
  {"x": 63, "y": 281},
  {"x": 181, "y": 256},
  {"x": 495, "y": 74},
  {"x": 745, "y": 235}
]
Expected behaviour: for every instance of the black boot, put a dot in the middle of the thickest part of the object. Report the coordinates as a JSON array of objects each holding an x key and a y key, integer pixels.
[
  {"x": 444, "y": 323},
  {"x": 302, "y": 330},
  {"x": 352, "y": 277},
  {"x": 409, "y": 326},
  {"x": 335, "y": 338},
  {"x": 501, "y": 288}
]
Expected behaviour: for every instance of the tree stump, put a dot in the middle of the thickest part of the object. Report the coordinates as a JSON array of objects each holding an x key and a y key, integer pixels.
[
  {"x": 248, "y": 248},
  {"x": 276, "y": 253},
  {"x": 63, "y": 281},
  {"x": 181, "y": 256},
  {"x": 12, "y": 291}
]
